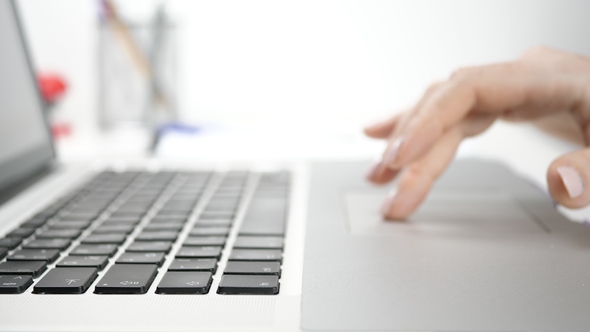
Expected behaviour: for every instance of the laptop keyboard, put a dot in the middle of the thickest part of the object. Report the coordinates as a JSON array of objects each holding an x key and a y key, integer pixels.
[{"x": 126, "y": 228}]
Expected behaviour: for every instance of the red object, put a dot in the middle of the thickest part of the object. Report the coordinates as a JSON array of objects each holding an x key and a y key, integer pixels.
[
  {"x": 61, "y": 130},
  {"x": 52, "y": 87}
]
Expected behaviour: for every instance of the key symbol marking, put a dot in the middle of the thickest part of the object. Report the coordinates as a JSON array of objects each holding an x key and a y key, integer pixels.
[{"x": 70, "y": 281}]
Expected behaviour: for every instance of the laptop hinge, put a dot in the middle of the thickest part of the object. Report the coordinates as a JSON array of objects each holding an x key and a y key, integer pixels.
[{"x": 15, "y": 189}]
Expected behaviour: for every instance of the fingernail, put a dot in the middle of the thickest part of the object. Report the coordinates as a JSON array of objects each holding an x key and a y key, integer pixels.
[
  {"x": 572, "y": 180},
  {"x": 393, "y": 151},
  {"x": 388, "y": 202},
  {"x": 374, "y": 170}
]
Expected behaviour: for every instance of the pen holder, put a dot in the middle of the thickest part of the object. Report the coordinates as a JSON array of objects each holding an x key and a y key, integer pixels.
[{"x": 137, "y": 73}]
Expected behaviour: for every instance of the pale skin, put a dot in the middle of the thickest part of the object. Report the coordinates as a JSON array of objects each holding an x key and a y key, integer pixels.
[{"x": 547, "y": 87}]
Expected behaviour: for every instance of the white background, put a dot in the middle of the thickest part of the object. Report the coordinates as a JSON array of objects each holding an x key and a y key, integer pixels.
[{"x": 340, "y": 63}]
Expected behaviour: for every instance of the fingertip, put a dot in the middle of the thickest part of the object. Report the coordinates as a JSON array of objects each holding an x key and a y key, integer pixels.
[
  {"x": 567, "y": 179},
  {"x": 406, "y": 198}
]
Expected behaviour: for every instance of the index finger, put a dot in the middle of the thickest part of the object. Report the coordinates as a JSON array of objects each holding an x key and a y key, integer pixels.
[{"x": 491, "y": 89}]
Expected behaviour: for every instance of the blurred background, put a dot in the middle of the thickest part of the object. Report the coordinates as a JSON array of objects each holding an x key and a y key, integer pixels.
[{"x": 277, "y": 79}]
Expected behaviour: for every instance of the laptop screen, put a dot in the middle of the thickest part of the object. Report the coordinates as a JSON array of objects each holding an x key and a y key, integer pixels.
[{"x": 25, "y": 142}]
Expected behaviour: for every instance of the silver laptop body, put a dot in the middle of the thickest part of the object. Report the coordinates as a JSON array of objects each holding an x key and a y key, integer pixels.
[{"x": 487, "y": 252}]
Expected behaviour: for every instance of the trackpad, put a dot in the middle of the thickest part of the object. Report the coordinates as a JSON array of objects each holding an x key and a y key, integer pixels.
[{"x": 485, "y": 212}]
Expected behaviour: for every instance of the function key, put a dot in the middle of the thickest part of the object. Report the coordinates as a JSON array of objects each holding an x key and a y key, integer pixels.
[
  {"x": 185, "y": 283},
  {"x": 34, "y": 268},
  {"x": 15, "y": 284},
  {"x": 66, "y": 281},
  {"x": 194, "y": 264},
  {"x": 248, "y": 285},
  {"x": 127, "y": 279}
]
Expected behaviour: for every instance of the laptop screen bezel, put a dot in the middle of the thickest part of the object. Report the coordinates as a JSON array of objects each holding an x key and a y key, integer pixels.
[{"x": 30, "y": 162}]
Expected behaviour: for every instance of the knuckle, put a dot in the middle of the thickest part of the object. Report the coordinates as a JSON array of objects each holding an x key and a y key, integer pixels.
[
  {"x": 537, "y": 50},
  {"x": 416, "y": 174},
  {"x": 464, "y": 73},
  {"x": 433, "y": 87}
]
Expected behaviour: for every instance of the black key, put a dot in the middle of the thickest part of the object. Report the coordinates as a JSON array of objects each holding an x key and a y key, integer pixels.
[
  {"x": 95, "y": 250},
  {"x": 10, "y": 242},
  {"x": 265, "y": 216},
  {"x": 119, "y": 221},
  {"x": 105, "y": 239},
  {"x": 168, "y": 220},
  {"x": 3, "y": 252},
  {"x": 185, "y": 283},
  {"x": 194, "y": 264},
  {"x": 164, "y": 227},
  {"x": 141, "y": 258},
  {"x": 259, "y": 268},
  {"x": 153, "y": 246},
  {"x": 21, "y": 232},
  {"x": 136, "y": 215},
  {"x": 204, "y": 241},
  {"x": 122, "y": 228},
  {"x": 34, "y": 223},
  {"x": 127, "y": 279},
  {"x": 48, "y": 255},
  {"x": 208, "y": 231},
  {"x": 70, "y": 225},
  {"x": 78, "y": 217},
  {"x": 255, "y": 255},
  {"x": 65, "y": 280},
  {"x": 248, "y": 285},
  {"x": 157, "y": 236},
  {"x": 199, "y": 252},
  {"x": 60, "y": 244},
  {"x": 259, "y": 242},
  {"x": 214, "y": 223},
  {"x": 15, "y": 284},
  {"x": 34, "y": 268},
  {"x": 173, "y": 214},
  {"x": 98, "y": 262},
  {"x": 59, "y": 233}
]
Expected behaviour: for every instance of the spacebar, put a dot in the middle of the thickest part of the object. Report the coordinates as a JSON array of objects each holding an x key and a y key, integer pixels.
[{"x": 265, "y": 216}]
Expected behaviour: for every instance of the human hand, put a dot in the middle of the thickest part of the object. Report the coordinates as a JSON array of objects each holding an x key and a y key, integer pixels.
[{"x": 546, "y": 86}]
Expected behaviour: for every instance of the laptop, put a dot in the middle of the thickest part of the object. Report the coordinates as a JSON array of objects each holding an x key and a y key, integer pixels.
[{"x": 177, "y": 247}]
